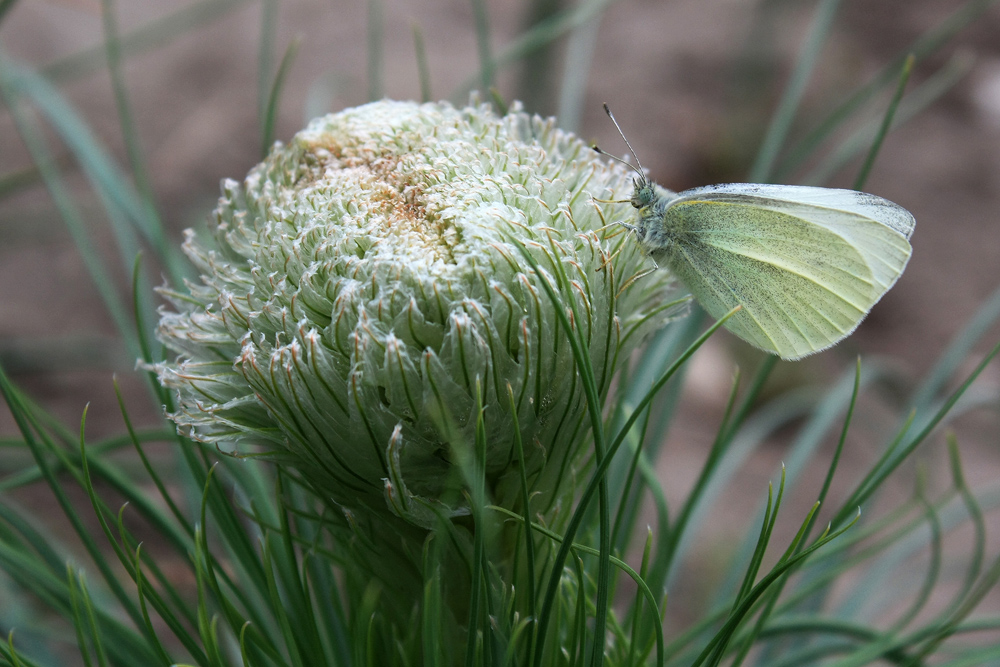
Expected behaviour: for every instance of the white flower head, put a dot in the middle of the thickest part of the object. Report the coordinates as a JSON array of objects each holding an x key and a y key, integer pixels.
[{"x": 367, "y": 290}]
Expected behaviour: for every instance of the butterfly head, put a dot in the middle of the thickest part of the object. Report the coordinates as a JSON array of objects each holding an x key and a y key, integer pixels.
[{"x": 643, "y": 193}]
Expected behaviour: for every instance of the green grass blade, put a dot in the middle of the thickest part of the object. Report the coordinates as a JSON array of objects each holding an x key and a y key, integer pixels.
[
  {"x": 715, "y": 453},
  {"x": 883, "y": 130},
  {"x": 71, "y": 216},
  {"x": 148, "y": 37},
  {"x": 6, "y": 6},
  {"x": 119, "y": 550},
  {"x": 376, "y": 49},
  {"x": 578, "y": 548},
  {"x": 150, "y": 631},
  {"x": 585, "y": 371},
  {"x": 274, "y": 99},
  {"x": 130, "y": 134},
  {"x": 576, "y": 70},
  {"x": 928, "y": 43},
  {"x": 534, "y": 38},
  {"x": 125, "y": 208},
  {"x": 957, "y": 352},
  {"x": 423, "y": 69},
  {"x": 892, "y": 458},
  {"x": 929, "y": 92},
  {"x": 976, "y": 517},
  {"x": 737, "y": 616},
  {"x": 485, "y": 50},
  {"x": 41, "y": 449},
  {"x": 266, "y": 45},
  {"x": 781, "y": 121},
  {"x": 599, "y": 475},
  {"x": 715, "y": 479},
  {"x": 529, "y": 539}
]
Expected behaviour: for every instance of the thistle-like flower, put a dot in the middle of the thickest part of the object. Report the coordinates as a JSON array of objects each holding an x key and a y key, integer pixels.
[{"x": 393, "y": 276}]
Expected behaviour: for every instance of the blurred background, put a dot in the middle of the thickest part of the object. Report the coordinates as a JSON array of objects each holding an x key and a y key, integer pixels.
[{"x": 694, "y": 83}]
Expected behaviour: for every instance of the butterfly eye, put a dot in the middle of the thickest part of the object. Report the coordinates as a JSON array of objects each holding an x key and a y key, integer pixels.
[{"x": 643, "y": 194}]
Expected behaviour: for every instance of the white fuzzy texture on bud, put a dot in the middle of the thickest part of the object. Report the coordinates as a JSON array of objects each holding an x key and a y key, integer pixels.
[{"x": 365, "y": 292}]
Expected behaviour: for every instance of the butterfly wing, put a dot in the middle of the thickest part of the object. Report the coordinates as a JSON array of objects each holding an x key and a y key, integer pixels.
[{"x": 806, "y": 264}]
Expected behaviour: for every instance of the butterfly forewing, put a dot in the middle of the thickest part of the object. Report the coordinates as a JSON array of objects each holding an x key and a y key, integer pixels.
[
  {"x": 833, "y": 200},
  {"x": 805, "y": 274}
]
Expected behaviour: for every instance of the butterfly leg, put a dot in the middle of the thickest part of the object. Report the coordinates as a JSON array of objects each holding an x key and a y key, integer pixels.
[{"x": 631, "y": 281}]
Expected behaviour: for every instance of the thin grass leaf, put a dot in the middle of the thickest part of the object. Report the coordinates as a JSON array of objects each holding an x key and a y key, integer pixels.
[
  {"x": 423, "y": 69},
  {"x": 280, "y": 609},
  {"x": 38, "y": 448},
  {"x": 766, "y": 528},
  {"x": 715, "y": 453},
  {"x": 143, "y": 332},
  {"x": 898, "y": 530},
  {"x": 6, "y": 6},
  {"x": 78, "y": 623},
  {"x": 147, "y": 37},
  {"x": 576, "y": 69},
  {"x": 154, "y": 638},
  {"x": 774, "y": 594},
  {"x": 126, "y": 210},
  {"x": 30, "y": 474},
  {"x": 432, "y": 607},
  {"x": 266, "y": 45},
  {"x": 12, "y": 655},
  {"x": 482, "y": 29},
  {"x": 150, "y": 470},
  {"x": 628, "y": 496},
  {"x": 88, "y": 608},
  {"x": 39, "y": 544},
  {"x": 883, "y": 130},
  {"x": 986, "y": 583},
  {"x": 137, "y": 161},
  {"x": 274, "y": 99},
  {"x": 790, "y": 559},
  {"x": 927, "y": 93},
  {"x": 957, "y": 352},
  {"x": 835, "y": 460},
  {"x": 933, "y": 570},
  {"x": 32, "y": 137},
  {"x": 475, "y": 473},
  {"x": 636, "y": 608},
  {"x": 781, "y": 121},
  {"x": 925, "y": 45},
  {"x": 893, "y": 457},
  {"x": 535, "y": 38},
  {"x": 18, "y": 180},
  {"x": 716, "y": 476},
  {"x": 976, "y": 517},
  {"x": 579, "y": 549},
  {"x": 206, "y": 622},
  {"x": 290, "y": 573},
  {"x": 753, "y": 393},
  {"x": 375, "y": 50},
  {"x": 585, "y": 371},
  {"x": 130, "y": 566}
]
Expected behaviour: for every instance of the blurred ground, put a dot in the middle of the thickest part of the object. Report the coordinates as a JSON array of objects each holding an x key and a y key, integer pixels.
[{"x": 692, "y": 108}]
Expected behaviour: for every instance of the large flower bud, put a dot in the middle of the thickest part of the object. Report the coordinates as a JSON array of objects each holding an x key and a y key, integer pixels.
[{"x": 366, "y": 291}]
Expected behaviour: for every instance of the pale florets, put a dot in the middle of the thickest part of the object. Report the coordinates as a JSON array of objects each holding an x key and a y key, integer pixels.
[{"x": 365, "y": 292}]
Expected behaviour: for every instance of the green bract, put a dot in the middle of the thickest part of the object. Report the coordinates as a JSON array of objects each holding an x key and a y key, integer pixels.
[{"x": 365, "y": 291}]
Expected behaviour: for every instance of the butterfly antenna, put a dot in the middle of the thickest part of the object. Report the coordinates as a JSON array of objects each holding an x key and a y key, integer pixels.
[
  {"x": 601, "y": 151},
  {"x": 607, "y": 110}
]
